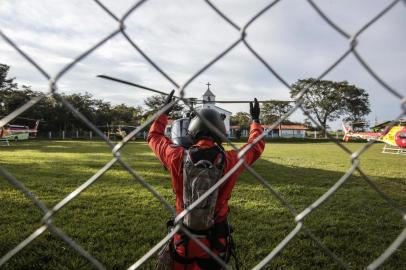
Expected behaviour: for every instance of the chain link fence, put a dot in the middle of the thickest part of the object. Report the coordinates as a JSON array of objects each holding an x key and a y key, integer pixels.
[{"x": 297, "y": 217}]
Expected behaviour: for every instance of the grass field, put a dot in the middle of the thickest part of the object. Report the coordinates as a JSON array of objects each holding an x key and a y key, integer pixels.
[{"x": 117, "y": 221}]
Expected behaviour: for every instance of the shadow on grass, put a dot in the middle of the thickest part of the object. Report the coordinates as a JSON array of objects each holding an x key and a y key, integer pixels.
[{"x": 355, "y": 223}]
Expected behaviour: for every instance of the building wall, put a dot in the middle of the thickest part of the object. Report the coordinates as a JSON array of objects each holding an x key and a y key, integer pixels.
[
  {"x": 286, "y": 133},
  {"x": 293, "y": 133}
]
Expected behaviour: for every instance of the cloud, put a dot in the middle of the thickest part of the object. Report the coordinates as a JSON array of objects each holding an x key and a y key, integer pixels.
[{"x": 182, "y": 37}]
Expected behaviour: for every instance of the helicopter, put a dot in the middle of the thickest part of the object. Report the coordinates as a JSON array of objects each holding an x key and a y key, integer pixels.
[
  {"x": 178, "y": 130},
  {"x": 394, "y": 137},
  {"x": 18, "y": 132}
]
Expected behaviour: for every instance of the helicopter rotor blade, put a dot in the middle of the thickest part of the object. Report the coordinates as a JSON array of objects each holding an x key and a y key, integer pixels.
[
  {"x": 241, "y": 101},
  {"x": 132, "y": 84},
  {"x": 190, "y": 99},
  {"x": 238, "y": 101}
]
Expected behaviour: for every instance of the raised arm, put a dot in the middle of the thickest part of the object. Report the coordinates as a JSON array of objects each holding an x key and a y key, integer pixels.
[
  {"x": 256, "y": 150},
  {"x": 159, "y": 143},
  {"x": 255, "y": 131}
]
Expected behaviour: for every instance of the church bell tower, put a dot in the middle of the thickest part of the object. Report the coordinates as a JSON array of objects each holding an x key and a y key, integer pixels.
[{"x": 209, "y": 99}]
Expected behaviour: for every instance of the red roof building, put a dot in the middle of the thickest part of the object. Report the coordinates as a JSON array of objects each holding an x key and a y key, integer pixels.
[{"x": 280, "y": 131}]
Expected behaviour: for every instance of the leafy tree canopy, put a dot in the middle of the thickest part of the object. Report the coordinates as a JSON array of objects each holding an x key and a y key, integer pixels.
[
  {"x": 274, "y": 110},
  {"x": 329, "y": 100},
  {"x": 55, "y": 116},
  {"x": 156, "y": 102},
  {"x": 242, "y": 119},
  {"x": 6, "y": 83}
]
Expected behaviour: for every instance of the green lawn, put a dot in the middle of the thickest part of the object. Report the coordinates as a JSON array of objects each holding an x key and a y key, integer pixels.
[{"x": 117, "y": 221}]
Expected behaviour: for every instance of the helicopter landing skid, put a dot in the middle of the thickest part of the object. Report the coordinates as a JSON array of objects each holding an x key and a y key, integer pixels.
[
  {"x": 388, "y": 149},
  {"x": 5, "y": 142}
]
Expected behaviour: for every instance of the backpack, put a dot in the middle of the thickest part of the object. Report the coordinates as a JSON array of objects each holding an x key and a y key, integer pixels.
[{"x": 202, "y": 168}]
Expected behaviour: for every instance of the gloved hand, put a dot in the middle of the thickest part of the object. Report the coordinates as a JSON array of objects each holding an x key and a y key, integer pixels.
[
  {"x": 168, "y": 100},
  {"x": 254, "y": 110}
]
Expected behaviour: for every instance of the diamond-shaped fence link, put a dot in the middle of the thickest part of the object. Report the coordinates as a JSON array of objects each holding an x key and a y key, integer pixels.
[{"x": 47, "y": 224}]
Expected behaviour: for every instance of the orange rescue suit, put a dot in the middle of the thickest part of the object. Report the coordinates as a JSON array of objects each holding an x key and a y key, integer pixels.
[{"x": 172, "y": 158}]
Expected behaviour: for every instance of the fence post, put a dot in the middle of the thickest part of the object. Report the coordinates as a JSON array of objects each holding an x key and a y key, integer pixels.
[
  {"x": 315, "y": 134},
  {"x": 77, "y": 134},
  {"x": 63, "y": 134},
  {"x": 50, "y": 135},
  {"x": 90, "y": 135}
]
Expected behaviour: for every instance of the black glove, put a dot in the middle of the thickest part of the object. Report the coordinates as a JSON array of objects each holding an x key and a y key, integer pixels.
[
  {"x": 168, "y": 100},
  {"x": 254, "y": 110}
]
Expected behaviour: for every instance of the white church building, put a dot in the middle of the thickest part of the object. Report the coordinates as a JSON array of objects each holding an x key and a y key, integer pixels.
[{"x": 209, "y": 101}]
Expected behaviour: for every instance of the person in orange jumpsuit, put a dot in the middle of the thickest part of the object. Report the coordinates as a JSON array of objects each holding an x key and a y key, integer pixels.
[{"x": 187, "y": 254}]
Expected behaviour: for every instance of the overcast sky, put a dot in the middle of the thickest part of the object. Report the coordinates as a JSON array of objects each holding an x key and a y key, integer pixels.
[{"x": 182, "y": 36}]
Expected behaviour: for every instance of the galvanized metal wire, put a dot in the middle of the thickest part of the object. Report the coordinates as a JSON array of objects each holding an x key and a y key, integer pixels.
[{"x": 298, "y": 218}]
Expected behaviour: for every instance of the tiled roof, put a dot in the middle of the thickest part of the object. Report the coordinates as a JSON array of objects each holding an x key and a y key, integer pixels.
[
  {"x": 283, "y": 127},
  {"x": 288, "y": 127},
  {"x": 208, "y": 93}
]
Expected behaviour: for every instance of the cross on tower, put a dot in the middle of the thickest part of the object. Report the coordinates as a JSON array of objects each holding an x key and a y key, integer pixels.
[{"x": 208, "y": 86}]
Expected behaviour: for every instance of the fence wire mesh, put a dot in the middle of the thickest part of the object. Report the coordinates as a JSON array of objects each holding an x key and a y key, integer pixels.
[{"x": 298, "y": 217}]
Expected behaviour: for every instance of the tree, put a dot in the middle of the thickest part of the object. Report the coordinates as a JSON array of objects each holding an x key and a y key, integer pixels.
[
  {"x": 103, "y": 114},
  {"x": 274, "y": 110},
  {"x": 126, "y": 115},
  {"x": 241, "y": 119},
  {"x": 55, "y": 116},
  {"x": 7, "y": 86},
  {"x": 357, "y": 123},
  {"x": 13, "y": 96},
  {"x": 310, "y": 125},
  {"x": 6, "y": 83},
  {"x": 329, "y": 100},
  {"x": 156, "y": 102},
  {"x": 85, "y": 104}
]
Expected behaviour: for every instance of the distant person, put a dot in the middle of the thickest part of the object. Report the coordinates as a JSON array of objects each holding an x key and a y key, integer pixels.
[{"x": 194, "y": 171}]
